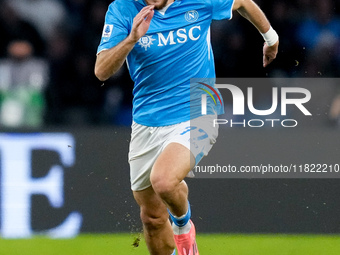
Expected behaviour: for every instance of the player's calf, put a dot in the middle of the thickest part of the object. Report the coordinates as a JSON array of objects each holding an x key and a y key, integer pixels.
[{"x": 157, "y": 228}]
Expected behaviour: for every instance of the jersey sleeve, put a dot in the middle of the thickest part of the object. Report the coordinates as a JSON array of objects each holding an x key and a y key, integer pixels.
[
  {"x": 222, "y": 9},
  {"x": 115, "y": 28}
]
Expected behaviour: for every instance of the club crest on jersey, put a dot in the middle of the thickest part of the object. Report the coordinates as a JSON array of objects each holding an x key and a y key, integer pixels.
[
  {"x": 146, "y": 41},
  {"x": 191, "y": 16},
  {"x": 107, "y": 31}
]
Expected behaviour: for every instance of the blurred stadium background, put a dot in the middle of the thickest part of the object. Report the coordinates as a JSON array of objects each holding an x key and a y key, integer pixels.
[{"x": 64, "y": 137}]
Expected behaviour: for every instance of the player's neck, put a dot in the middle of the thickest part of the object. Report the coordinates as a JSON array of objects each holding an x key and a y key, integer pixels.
[
  {"x": 159, "y": 4},
  {"x": 167, "y": 5}
]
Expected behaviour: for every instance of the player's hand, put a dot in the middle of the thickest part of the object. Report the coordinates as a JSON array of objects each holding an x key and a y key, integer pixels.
[
  {"x": 141, "y": 23},
  {"x": 269, "y": 53}
]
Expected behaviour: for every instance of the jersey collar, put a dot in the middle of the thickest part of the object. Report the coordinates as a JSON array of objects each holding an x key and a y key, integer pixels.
[{"x": 144, "y": 3}]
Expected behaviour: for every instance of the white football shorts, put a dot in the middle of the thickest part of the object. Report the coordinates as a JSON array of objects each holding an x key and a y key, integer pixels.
[{"x": 147, "y": 143}]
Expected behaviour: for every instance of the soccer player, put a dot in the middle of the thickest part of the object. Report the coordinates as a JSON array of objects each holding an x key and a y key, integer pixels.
[{"x": 166, "y": 43}]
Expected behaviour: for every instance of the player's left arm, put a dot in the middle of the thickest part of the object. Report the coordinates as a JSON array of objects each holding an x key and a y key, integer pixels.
[{"x": 251, "y": 11}]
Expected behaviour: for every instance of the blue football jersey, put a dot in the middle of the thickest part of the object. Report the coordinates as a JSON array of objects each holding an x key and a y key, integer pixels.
[{"x": 175, "y": 49}]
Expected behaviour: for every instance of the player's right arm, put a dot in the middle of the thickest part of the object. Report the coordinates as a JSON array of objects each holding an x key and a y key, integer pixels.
[{"x": 109, "y": 61}]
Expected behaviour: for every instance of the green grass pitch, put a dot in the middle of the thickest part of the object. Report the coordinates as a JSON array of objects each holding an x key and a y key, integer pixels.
[{"x": 208, "y": 244}]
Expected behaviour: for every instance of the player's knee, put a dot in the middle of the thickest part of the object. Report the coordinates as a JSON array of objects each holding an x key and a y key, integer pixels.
[
  {"x": 153, "y": 220},
  {"x": 163, "y": 187}
]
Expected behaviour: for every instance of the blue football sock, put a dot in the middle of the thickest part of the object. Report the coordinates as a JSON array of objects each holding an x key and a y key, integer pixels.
[{"x": 183, "y": 220}]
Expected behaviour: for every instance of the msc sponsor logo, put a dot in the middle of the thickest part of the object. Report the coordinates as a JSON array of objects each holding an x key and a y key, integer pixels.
[
  {"x": 173, "y": 37},
  {"x": 146, "y": 41},
  {"x": 182, "y": 36}
]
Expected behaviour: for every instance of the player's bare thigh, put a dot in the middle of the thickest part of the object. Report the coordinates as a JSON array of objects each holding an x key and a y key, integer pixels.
[{"x": 172, "y": 165}]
